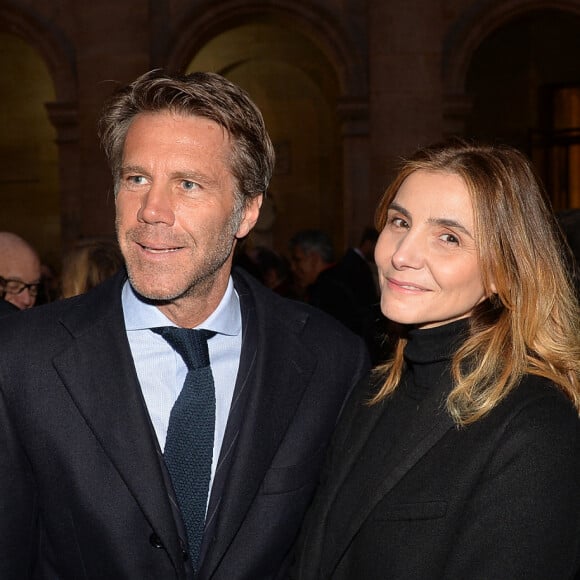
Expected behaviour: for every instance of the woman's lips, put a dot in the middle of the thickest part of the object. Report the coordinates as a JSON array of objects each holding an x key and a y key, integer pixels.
[{"x": 404, "y": 286}]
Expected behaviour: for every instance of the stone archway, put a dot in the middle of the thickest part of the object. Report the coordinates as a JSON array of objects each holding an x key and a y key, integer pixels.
[
  {"x": 57, "y": 53},
  {"x": 342, "y": 85},
  {"x": 468, "y": 32},
  {"x": 514, "y": 79}
]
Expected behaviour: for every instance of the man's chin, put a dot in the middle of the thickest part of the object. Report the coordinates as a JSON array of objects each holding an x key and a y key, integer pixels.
[
  {"x": 154, "y": 301},
  {"x": 152, "y": 293}
]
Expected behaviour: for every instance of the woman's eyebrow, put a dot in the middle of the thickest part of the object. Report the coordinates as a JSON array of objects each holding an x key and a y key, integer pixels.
[
  {"x": 450, "y": 223},
  {"x": 396, "y": 207},
  {"x": 447, "y": 222}
]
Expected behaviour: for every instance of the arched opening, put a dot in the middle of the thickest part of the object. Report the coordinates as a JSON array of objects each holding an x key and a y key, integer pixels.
[
  {"x": 513, "y": 78},
  {"x": 293, "y": 84},
  {"x": 29, "y": 168}
]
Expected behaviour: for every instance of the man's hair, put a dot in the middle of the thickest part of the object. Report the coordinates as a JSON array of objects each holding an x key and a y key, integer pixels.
[
  {"x": 199, "y": 94},
  {"x": 315, "y": 241},
  {"x": 530, "y": 325}
]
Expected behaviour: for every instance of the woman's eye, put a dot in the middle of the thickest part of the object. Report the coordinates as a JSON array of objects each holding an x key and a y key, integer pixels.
[
  {"x": 450, "y": 239},
  {"x": 398, "y": 222}
]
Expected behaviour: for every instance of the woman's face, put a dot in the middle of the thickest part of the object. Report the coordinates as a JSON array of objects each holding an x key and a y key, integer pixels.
[{"x": 426, "y": 254}]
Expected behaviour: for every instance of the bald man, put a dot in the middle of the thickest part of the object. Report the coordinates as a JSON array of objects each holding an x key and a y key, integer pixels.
[{"x": 20, "y": 270}]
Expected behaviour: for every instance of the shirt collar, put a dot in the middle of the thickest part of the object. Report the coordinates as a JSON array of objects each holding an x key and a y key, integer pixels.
[{"x": 139, "y": 315}]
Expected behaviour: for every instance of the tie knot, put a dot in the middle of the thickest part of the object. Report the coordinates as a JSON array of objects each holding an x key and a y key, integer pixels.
[{"x": 190, "y": 344}]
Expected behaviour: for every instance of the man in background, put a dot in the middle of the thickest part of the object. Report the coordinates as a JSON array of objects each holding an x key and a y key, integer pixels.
[
  {"x": 19, "y": 270},
  {"x": 345, "y": 289},
  {"x": 356, "y": 268},
  {"x": 5, "y": 307}
]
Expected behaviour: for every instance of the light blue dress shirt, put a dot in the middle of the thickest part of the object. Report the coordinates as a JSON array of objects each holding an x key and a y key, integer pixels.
[{"x": 161, "y": 371}]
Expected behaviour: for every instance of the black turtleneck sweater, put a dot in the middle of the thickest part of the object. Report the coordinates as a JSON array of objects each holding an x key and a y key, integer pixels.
[
  {"x": 424, "y": 386},
  {"x": 428, "y": 357},
  {"x": 407, "y": 495}
]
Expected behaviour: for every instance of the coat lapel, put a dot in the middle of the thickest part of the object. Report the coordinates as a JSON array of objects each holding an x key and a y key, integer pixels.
[
  {"x": 98, "y": 371},
  {"x": 275, "y": 384},
  {"x": 380, "y": 477}
]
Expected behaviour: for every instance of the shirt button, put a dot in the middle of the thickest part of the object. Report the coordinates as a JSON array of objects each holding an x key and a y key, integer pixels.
[{"x": 155, "y": 541}]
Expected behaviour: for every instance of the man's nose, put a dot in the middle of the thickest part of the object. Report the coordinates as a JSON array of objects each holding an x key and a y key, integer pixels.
[{"x": 156, "y": 206}]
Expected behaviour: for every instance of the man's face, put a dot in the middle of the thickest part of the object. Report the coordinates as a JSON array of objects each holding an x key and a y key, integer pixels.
[
  {"x": 177, "y": 218},
  {"x": 20, "y": 268},
  {"x": 305, "y": 266}
]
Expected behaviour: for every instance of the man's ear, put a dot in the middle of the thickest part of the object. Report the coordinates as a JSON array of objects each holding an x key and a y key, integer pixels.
[{"x": 251, "y": 214}]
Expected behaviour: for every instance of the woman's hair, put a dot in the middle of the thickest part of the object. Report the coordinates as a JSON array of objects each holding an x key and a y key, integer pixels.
[
  {"x": 531, "y": 324},
  {"x": 198, "y": 94},
  {"x": 87, "y": 264}
]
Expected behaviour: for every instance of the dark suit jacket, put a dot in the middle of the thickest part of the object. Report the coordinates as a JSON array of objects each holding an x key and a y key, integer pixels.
[
  {"x": 497, "y": 500},
  {"x": 7, "y": 308},
  {"x": 83, "y": 492},
  {"x": 346, "y": 290},
  {"x": 357, "y": 273}
]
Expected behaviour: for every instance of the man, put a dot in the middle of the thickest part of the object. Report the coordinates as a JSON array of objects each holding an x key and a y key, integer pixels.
[
  {"x": 20, "y": 270},
  {"x": 5, "y": 307},
  {"x": 91, "y": 414},
  {"x": 331, "y": 286},
  {"x": 311, "y": 252},
  {"x": 355, "y": 269}
]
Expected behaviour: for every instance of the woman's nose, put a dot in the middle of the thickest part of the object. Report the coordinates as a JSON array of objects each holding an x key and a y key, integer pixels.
[{"x": 409, "y": 252}]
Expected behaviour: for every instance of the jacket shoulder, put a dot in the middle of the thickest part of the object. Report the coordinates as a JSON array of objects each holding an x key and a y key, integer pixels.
[
  {"x": 43, "y": 327},
  {"x": 298, "y": 316}
]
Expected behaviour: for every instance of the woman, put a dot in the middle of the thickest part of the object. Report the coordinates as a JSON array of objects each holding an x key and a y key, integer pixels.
[
  {"x": 87, "y": 264},
  {"x": 461, "y": 458}
]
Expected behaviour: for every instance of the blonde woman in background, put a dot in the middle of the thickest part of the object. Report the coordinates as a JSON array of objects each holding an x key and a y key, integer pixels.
[
  {"x": 89, "y": 263},
  {"x": 461, "y": 457}
]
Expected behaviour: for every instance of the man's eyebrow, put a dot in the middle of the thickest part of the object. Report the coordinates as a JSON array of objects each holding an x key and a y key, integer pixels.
[{"x": 133, "y": 169}]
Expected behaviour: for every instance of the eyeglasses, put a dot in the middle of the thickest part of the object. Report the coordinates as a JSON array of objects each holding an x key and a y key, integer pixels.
[{"x": 11, "y": 286}]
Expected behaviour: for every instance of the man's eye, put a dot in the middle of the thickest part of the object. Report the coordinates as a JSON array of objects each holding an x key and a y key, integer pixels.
[
  {"x": 189, "y": 185},
  {"x": 136, "y": 180}
]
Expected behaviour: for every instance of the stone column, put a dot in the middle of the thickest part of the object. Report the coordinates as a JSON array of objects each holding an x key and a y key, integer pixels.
[
  {"x": 358, "y": 206},
  {"x": 456, "y": 109},
  {"x": 406, "y": 89},
  {"x": 64, "y": 118}
]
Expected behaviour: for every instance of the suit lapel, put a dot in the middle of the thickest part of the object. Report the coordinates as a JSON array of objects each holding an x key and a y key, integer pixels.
[
  {"x": 269, "y": 407},
  {"x": 380, "y": 477},
  {"x": 98, "y": 371}
]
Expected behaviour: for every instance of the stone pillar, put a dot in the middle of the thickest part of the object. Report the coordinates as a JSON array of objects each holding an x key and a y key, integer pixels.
[
  {"x": 456, "y": 109},
  {"x": 64, "y": 118},
  {"x": 112, "y": 44},
  {"x": 406, "y": 88},
  {"x": 358, "y": 206}
]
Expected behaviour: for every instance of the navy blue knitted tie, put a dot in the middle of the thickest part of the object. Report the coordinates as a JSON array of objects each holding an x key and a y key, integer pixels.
[{"x": 189, "y": 444}]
